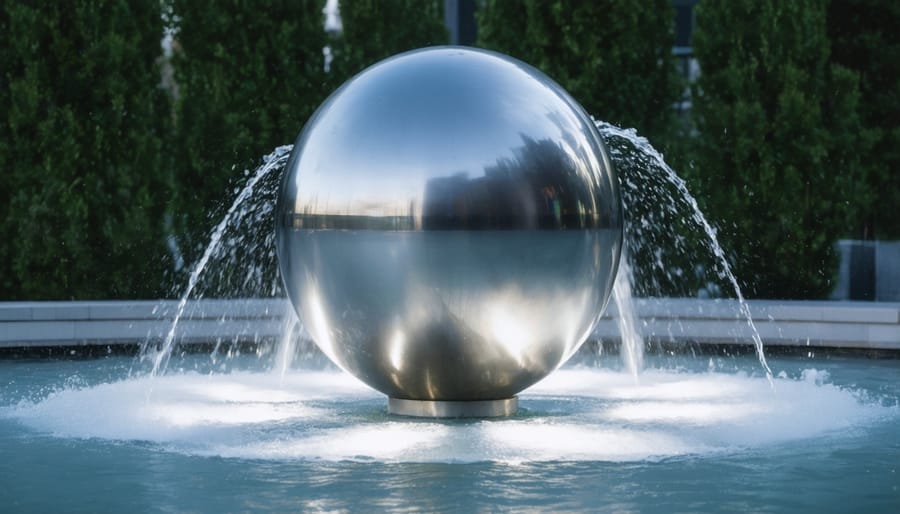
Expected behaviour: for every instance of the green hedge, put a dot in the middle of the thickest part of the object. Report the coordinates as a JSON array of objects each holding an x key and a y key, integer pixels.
[
  {"x": 376, "y": 29},
  {"x": 82, "y": 126},
  {"x": 796, "y": 115},
  {"x": 249, "y": 74},
  {"x": 778, "y": 162},
  {"x": 614, "y": 57},
  {"x": 864, "y": 38}
]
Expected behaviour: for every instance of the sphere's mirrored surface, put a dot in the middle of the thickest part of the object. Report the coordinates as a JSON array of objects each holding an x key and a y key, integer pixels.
[{"x": 449, "y": 225}]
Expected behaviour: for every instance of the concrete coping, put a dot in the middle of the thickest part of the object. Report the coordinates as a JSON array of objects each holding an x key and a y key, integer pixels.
[
  {"x": 234, "y": 308},
  {"x": 766, "y": 310},
  {"x": 838, "y": 324}
]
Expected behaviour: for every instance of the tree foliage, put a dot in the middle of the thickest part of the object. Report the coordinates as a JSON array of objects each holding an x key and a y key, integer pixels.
[
  {"x": 82, "y": 124},
  {"x": 376, "y": 29},
  {"x": 249, "y": 74},
  {"x": 778, "y": 156},
  {"x": 864, "y": 38},
  {"x": 796, "y": 110},
  {"x": 614, "y": 57}
]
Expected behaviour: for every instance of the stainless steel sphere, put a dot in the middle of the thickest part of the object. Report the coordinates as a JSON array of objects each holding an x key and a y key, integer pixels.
[{"x": 449, "y": 225}]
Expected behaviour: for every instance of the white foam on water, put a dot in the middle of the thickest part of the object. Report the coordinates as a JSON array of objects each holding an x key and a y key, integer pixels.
[
  {"x": 183, "y": 408},
  {"x": 573, "y": 415}
]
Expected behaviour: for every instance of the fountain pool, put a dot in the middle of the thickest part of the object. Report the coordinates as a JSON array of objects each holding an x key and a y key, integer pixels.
[
  {"x": 705, "y": 434},
  {"x": 172, "y": 432}
]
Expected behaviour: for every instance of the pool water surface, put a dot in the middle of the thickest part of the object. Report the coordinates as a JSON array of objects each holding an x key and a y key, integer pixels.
[{"x": 704, "y": 434}]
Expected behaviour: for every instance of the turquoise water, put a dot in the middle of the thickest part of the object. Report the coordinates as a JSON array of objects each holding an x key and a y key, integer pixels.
[{"x": 690, "y": 435}]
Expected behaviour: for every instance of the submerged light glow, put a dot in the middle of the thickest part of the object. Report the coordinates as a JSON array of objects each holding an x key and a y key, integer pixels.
[{"x": 573, "y": 415}]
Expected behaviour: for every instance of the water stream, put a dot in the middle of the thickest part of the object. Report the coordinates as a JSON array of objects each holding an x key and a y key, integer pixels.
[
  {"x": 648, "y": 151},
  {"x": 627, "y": 321},
  {"x": 287, "y": 345},
  {"x": 273, "y": 161},
  {"x": 632, "y": 349}
]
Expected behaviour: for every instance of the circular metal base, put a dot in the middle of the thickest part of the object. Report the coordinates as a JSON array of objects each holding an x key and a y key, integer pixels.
[{"x": 454, "y": 409}]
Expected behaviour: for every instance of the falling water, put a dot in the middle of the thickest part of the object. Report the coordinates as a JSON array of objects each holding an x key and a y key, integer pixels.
[
  {"x": 632, "y": 341},
  {"x": 273, "y": 161},
  {"x": 287, "y": 345},
  {"x": 646, "y": 149},
  {"x": 632, "y": 346}
]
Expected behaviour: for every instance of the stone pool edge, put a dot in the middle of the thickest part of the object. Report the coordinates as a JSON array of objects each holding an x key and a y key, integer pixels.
[{"x": 846, "y": 325}]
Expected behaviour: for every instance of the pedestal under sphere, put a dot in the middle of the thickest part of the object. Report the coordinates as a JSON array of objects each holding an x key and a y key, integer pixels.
[{"x": 449, "y": 226}]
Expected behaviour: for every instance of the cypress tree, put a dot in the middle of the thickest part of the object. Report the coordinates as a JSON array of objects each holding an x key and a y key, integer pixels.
[
  {"x": 778, "y": 155},
  {"x": 82, "y": 121},
  {"x": 8, "y": 280},
  {"x": 614, "y": 57},
  {"x": 376, "y": 29},
  {"x": 864, "y": 38},
  {"x": 249, "y": 74}
]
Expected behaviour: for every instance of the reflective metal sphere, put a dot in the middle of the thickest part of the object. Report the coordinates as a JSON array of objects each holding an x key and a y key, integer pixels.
[{"x": 449, "y": 225}]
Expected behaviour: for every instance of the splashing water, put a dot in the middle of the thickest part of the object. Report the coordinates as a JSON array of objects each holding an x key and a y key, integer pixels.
[
  {"x": 287, "y": 346},
  {"x": 574, "y": 415},
  {"x": 263, "y": 204},
  {"x": 632, "y": 346},
  {"x": 273, "y": 161},
  {"x": 647, "y": 151}
]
